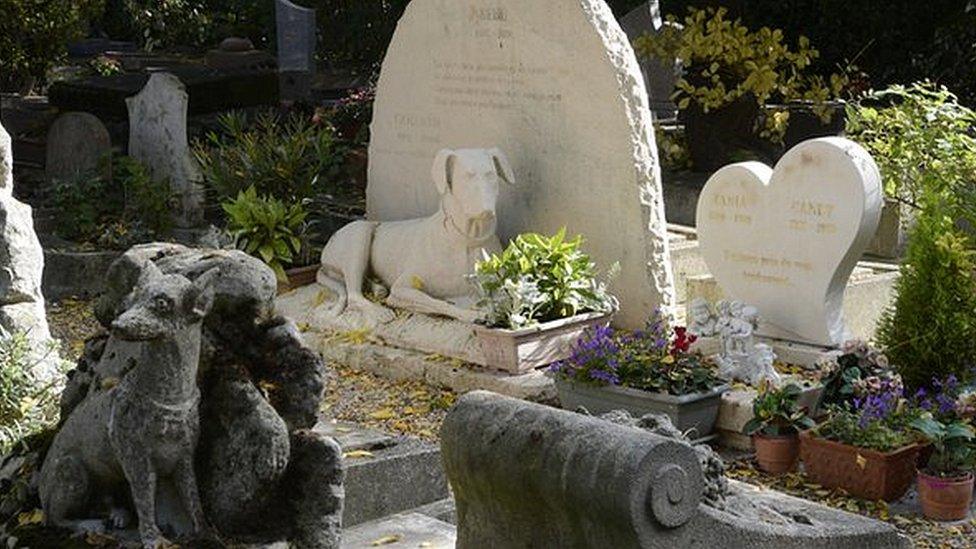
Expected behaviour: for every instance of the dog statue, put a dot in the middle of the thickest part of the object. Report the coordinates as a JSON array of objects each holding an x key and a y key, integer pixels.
[
  {"x": 143, "y": 430},
  {"x": 424, "y": 262}
]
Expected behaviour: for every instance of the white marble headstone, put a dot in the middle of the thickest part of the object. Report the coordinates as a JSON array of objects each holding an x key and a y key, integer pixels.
[
  {"x": 157, "y": 138},
  {"x": 553, "y": 83},
  {"x": 787, "y": 239}
]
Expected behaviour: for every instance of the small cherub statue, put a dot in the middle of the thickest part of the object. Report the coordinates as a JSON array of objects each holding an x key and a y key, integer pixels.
[
  {"x": 742, "y": 358},
  {"x": 703, "y": 319}
]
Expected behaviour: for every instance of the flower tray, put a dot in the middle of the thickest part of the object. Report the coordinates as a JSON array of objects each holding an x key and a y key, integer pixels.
[
  {"x": 864, "y": 473},
  {"x": 695, "y": 412},
  {"x": 298, "y": 277},
  {"x": 518, "y": 351}
]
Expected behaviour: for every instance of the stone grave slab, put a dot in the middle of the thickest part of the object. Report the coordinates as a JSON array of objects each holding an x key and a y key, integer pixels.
[
  {"x": 296, "y": 34},
  {"x": 786, "y": 239},
  {"x": 401, "y": 531},
  {"x": 556, "y": 86},
  {"x": 76, "y": 142},
  {"x": 158, "y": 139},
  {"x": 660, "y": 77}
]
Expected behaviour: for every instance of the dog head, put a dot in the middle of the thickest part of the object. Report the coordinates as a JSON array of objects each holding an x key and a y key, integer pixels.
[
  {"x": 162, "y": 304},
  {"x": 468, "y": 182}
]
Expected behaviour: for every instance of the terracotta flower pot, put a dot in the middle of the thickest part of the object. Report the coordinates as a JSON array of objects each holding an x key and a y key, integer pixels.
[
  {"x": 777, "y": 454},
  {"x": 861, "y": 472},
  {"x": 945, "y": 498}
]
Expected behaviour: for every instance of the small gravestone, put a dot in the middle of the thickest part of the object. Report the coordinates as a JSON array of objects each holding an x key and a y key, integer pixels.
[
  {"x": 660, "y": 76},
  {"x": 556, "y": 86},
  {"x": 296, "y": 49},
  {"x": 76, "y": 143},
  {"x": 157, "y": 138},
  {"x": 786, "y": 240}
]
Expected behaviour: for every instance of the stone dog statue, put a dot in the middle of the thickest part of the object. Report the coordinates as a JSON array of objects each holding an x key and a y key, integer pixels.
[
  {"x": 144, "y": 430},
  {"x": 424, "y": 262}
]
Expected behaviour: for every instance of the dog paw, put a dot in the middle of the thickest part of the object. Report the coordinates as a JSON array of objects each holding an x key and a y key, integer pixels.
[
  {"x": 119, "y": 518},
  {"x": 374, "y": 312}
]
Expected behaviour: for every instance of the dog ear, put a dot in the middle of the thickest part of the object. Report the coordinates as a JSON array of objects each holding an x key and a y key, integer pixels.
[
  {"x": 148, "y": 273},
  {"x": 443, "y": 169},
  {"x": 199, "y": 297},
  {"x": 502, "y": 167}
]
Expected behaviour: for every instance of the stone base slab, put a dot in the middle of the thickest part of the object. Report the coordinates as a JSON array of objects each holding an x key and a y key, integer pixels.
[
  {"x": 404, "y": 530},
  {"x": 789, "y": 352}
]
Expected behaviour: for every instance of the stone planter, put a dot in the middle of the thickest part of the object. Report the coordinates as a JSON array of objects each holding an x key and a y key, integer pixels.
[
  {"x": 777, "y": 454},
  {"x": 518, "y": 351},
  {"x": 861, "y": 472},
  {"x": 945, "y": 498},
  {"x": 298, "y": 277},
  {"x": 695, "y": 412},
  {"x": 714, "y": 138}
]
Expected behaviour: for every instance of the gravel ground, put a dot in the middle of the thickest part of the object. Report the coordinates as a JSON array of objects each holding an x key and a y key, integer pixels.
[{"x": 903, "y": 514}]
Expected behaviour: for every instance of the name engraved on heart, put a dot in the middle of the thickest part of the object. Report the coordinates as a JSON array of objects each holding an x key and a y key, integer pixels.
[{"x": 787, "y": 239}]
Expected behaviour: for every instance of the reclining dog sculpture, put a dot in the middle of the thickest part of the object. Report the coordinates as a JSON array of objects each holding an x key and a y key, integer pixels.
[
  {"x": 424, "y": 262},
  {"x": 144, "y": 430}
]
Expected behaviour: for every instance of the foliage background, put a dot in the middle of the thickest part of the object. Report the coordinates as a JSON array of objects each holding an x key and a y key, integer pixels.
[{"x": 895, "y": 41}]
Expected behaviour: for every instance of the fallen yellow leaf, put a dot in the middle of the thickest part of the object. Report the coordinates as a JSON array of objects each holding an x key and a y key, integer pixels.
[
  {"x": 358, "y": 454},
  {"x": 385, "y": 540},
  {"x": 30, "y": 517},
  {"x": 384, "y": 413},
  {"x": 861, "y": 461}
]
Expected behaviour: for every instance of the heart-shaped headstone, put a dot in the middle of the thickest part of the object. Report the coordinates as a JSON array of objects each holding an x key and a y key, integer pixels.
[{"x": 787, "y": 239}]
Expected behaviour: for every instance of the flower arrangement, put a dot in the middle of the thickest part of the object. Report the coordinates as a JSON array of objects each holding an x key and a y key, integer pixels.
[
  {"x": 876, "y": 418},
  {"x": 656, "y": 359},
  {"x": 539, "y": 279},
  {"x": 859, "y": 369}
]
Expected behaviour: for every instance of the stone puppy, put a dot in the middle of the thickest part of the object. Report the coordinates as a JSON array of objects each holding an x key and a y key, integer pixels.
[
  {"x": 424, "y": 262},
  {"x": 144, "y": 430}
]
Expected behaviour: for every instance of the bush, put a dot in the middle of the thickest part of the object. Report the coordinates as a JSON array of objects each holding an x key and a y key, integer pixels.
[
  {"x": 128, "y": 209},
  {"x": 931, "y": 328},
  {"x": 25, "y": 406},
  {"x": 922, "y": 140},
  {"x": 291, "y": 159},
  {"x": 267, "y": 228},
  {"x": 34, "y": 36}
]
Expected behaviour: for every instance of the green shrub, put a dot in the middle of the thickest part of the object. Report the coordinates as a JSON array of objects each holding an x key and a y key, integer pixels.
[
  {"x": 34, "y": 36},
  {"x": 539, "y": 279},
  {"x": 930, "y": 331},
  {"x": 267, "y": 228},
  {"x": 128, "y": 209},
  {"x": 922, "y": 140},
  {"x": 291, "y": 159},
  {"x": 26, "y": 406}
]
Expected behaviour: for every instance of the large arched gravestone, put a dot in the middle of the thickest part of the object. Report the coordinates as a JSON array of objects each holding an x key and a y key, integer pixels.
[{"x": 554, "y": 84}]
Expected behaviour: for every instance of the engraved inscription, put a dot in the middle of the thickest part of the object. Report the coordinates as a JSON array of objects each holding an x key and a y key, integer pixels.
[{"x": 493, "y": 86}]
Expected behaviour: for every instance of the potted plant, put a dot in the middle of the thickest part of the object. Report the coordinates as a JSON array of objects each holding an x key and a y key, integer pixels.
[
  {"x": 644, "y": 371},
  {"x": 731, "y": 72},
  {"x": 775, "y": 426},
  {"x": 945, "y": 484},
  {"x": 859, "y": 367},
  {"x": 865, "y": 446},
  {"x": 537, "y": 297}
]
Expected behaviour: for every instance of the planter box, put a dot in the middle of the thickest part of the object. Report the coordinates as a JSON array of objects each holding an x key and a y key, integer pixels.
[
  {"x": 518, "y": 351},
  {"x": 863, "y": 473},
  {"x": 696, "y": 412},
  {"x": 298, "y": 277}
]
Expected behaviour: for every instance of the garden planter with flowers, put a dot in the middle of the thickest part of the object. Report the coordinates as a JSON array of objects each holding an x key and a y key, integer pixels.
[
  {"x": 777, "y": 419},
  {"x": 645, "y": 371},
  {"x": 538, "y": 296},
  {"x": 861, "y": 472},
  {"x": 945, "y": 484}
]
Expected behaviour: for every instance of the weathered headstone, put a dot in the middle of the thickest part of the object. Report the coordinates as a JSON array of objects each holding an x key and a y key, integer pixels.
[
  {"x": 296, "y": 48},
  {"x": 659, "y": 75},
  {"x": 787, "y": 239},
  {"x": 76, "y": 143},
  {"x": 555, "y": 84},
  {"x": 157, "y": 138},
  {"x": 21, "y": 268}
]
